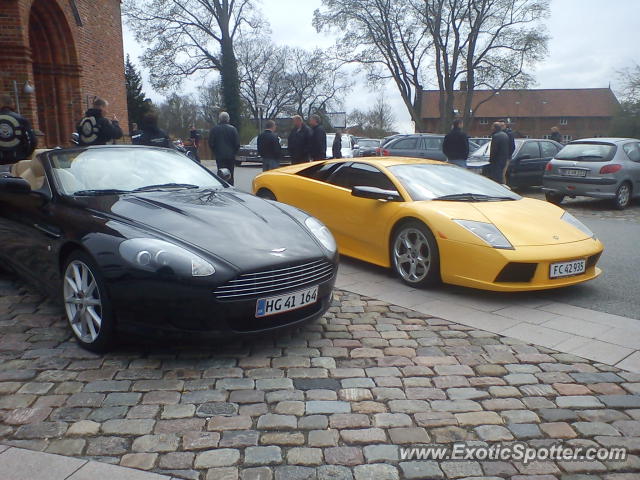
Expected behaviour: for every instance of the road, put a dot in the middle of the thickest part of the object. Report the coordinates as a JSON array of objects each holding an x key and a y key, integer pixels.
[{"x": 616, "y": 291}]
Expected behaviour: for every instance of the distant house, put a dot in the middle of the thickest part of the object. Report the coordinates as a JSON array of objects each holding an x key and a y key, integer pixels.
[{"x": 577, "y": 112}]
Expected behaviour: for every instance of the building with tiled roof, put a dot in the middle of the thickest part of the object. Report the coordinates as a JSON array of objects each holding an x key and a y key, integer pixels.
[{"x": 577, "y": 112}]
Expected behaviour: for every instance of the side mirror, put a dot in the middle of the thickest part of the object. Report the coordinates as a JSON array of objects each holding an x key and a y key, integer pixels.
[
  {"x": 375, "y": 193},
  {"x": 225, "y": 174},
  {"x": 14, "y": 185}
]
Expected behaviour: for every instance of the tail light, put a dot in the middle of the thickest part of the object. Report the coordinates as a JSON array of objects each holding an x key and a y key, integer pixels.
[
  {"x": 378, "y": 151},
  {"x": 549, "y": 167},
  {"x": 385, "y": 152},
  {"x": 611, "y": 168}
]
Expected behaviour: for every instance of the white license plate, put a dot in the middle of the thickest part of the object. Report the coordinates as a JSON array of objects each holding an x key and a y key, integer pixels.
[
  {"x": 286, "y": 303},
  {"x": 573, "y": 172},
  {"x": 567, "y": 269}
]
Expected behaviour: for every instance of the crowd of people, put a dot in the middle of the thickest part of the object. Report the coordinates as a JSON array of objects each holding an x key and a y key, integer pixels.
[{"x": 306, "y": 142}]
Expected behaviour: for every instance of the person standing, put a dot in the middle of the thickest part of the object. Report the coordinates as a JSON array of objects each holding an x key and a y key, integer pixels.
[
  {"x": 299, "y": 139},
  {"x": 318, "y": 144},
  {"x": 195, "y": 136},
  {"x": 151, "y": 134},
  {"x": 456, "y": 144},
  {"x": 336, "y": 147},
  {"x": 555, "y": 135},
  {"x": 498, "y": 154},
  {"x": 225, "y": 143},
  {"x": 512, "y": 148},
  {"x": 17, "y": 139},
  {"x": 95, "y": 128},
  {"x": 269, "y": 147}
]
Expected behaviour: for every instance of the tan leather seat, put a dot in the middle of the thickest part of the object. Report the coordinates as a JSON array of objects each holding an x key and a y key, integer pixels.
[
  {"x": 18, "y": 168},
  {"x": 34, "y": 174}
]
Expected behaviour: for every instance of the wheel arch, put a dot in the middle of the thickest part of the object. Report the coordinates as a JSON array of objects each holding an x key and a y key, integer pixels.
[
  {"x": 397, "y": 225},
  {"x": 66, "y": 250}
]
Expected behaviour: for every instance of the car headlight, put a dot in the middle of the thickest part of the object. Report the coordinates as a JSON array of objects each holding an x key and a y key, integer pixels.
[
  {"x": 487, "y": 232},
  {"x": 574, "y": 222},
  {"x": 153, "y": 255},
  {"x": 322, "y": 233}
]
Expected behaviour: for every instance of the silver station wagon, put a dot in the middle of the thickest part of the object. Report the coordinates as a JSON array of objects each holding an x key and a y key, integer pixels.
[{"x": 595, "y": 167}]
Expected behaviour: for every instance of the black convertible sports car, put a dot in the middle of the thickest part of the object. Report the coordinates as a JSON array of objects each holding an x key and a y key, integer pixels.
[{"x": 143, "y": 239}]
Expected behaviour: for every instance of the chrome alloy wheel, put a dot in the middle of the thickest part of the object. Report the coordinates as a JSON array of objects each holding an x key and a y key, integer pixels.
[
  {"x": 82, "y": 301},
  {"x": 624, "y": 194},
  {"x": 412, "y": 255}
]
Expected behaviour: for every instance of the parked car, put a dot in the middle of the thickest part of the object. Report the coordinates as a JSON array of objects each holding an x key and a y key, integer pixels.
[
  {"x": 349, "y": 146},
  {"x": 527, "y": 163},
  {"x": 144, "y": 240},
  {"x": 480, "y": 141},
  {"x": 249, "y": 152},
  {"x": 419, "y": 145},
  {"x": 369, "y": 147},
  {"x": 432, "y": 221},
  {"x": 595, "y": 167}
]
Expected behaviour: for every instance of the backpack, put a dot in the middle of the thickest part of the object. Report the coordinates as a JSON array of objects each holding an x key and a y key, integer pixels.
[
  {"x": 11, "y": 133},
  {"x": 89, "y": 130}
]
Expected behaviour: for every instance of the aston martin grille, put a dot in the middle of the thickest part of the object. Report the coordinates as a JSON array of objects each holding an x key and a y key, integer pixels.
[{"x": 275, "y": 280}]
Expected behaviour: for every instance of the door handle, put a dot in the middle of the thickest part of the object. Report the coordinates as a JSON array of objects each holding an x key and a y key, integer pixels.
[{"x": 47, "y": 230}]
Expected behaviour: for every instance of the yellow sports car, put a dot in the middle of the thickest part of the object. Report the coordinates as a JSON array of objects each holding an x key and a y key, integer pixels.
[{"x": 432, "y": 221}]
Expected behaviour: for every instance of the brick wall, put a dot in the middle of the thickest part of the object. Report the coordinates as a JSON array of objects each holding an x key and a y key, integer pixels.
[{"x": 68, "y": 63}]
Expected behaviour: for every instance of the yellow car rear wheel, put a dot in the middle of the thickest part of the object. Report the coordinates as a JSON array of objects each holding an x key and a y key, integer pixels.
[{"x": 415, "y": 256}]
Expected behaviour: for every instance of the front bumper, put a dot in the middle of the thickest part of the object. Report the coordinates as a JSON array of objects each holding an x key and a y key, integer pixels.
[
  {"x": 480, "y": 267},
  {"x": 170, "y": 309},
  {"x": 583, "y": 187}
]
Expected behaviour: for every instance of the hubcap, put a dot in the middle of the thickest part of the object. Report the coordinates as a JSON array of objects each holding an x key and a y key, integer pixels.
[
  {"x": 623, "y": 194},
  {"x": 412, "y": 255},
  {"x": 82, "y": 301}
]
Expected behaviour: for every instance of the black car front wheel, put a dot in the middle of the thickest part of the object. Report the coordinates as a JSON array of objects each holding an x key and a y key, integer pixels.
[
  {"x": 623, "y": 196},
  {"x": 555, "y": 198},
  {"x": 86, "y": 303},
  {"x": 266, "y": 194},
  {"x": 415, "y": 256}
]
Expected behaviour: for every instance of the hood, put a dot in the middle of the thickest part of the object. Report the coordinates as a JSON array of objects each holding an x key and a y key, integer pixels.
[
  {"x": 234, "y": 226},
  {"x": 530, "y": 222}
]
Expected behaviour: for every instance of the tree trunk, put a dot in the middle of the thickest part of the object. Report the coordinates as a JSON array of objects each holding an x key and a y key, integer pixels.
[{"x": 230, "y": 82}]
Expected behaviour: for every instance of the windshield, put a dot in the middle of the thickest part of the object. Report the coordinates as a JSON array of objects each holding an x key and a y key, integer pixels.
[
  {"x": 127, "y": 169},
  {"x": 368, "y": 143},
  {"x": 587, "y": 152},
  {"x": 431, "y": 181}
]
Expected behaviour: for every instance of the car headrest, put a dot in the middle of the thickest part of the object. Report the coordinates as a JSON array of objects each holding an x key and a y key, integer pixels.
[{"x": 20, "y": 167}]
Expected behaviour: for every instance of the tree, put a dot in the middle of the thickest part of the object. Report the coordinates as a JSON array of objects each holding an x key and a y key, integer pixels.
[
  {"x": 386, "y": 38},
  {"x": 186, "y": 36},
  {"x": 485, "y": 43},
  {"x": 177, "y": 114},
  {"x": 262, "y": 68},
  {"x": 210, "y": 101},
  {"x": 137, "y": 102},
  {"x": 377, "y": 122},
  {"x": 626, "y": 122},
  {"x": 314, "y": 80}
]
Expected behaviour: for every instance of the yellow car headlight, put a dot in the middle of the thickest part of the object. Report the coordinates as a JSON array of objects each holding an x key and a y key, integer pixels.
[{"x": 487, "y": 232}]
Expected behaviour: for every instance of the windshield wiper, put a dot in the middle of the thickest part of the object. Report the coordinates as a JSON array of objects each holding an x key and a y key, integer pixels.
[
  {"x": 105, "y": 191},
  {"x": 162, "y": 186},
  {"x": 472, "y": 197}
]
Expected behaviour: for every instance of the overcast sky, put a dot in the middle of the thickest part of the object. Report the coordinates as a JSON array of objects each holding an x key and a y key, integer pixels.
[{"x": 590, "y": 40}]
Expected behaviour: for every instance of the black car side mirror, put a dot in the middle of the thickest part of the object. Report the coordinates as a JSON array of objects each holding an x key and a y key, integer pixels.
[
  {"x": 14, "y": 185},
  {"x": 375, "y": 193}
]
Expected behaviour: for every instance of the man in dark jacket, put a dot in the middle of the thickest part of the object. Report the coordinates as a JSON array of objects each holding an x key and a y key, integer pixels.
[
  {"x": 95, "y": 128},
  {"x": 17, "y": 140},
  {"x": 555, "y": 135},
  {"x": 225, "y": 143},
  {"x": 506, "y": 128},
  {"x": 499, "y": 153},
  {"x": 299, "y": 139},
  {"x": 195, "y": 136},
  {"x": 456, "y": 145},
  {"x": 336, "y": 147},
  {"x": 151, "y": 134},
  {"x": 318, "y": 144},
  {"x": 269, "y": 147}
]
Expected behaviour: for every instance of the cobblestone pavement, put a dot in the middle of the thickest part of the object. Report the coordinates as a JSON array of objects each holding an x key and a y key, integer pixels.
[
  {"x": 592, "y": 207},
  {"x": 333, "y": 400}
]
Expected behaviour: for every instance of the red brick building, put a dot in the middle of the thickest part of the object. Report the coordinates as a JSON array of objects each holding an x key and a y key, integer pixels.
[
  {"x": 69, "y": 51},
  {"x": 578, "y": 112}
]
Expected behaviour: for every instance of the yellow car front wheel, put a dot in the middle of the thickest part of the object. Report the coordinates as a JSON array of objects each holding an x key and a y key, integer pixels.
[{"x": 415, "y": 255}]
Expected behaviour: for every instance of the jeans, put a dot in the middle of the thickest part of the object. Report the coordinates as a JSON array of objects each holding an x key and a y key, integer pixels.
[
  {"x": 460, "y": 163},
  {"x": 270, "y": 164}
]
